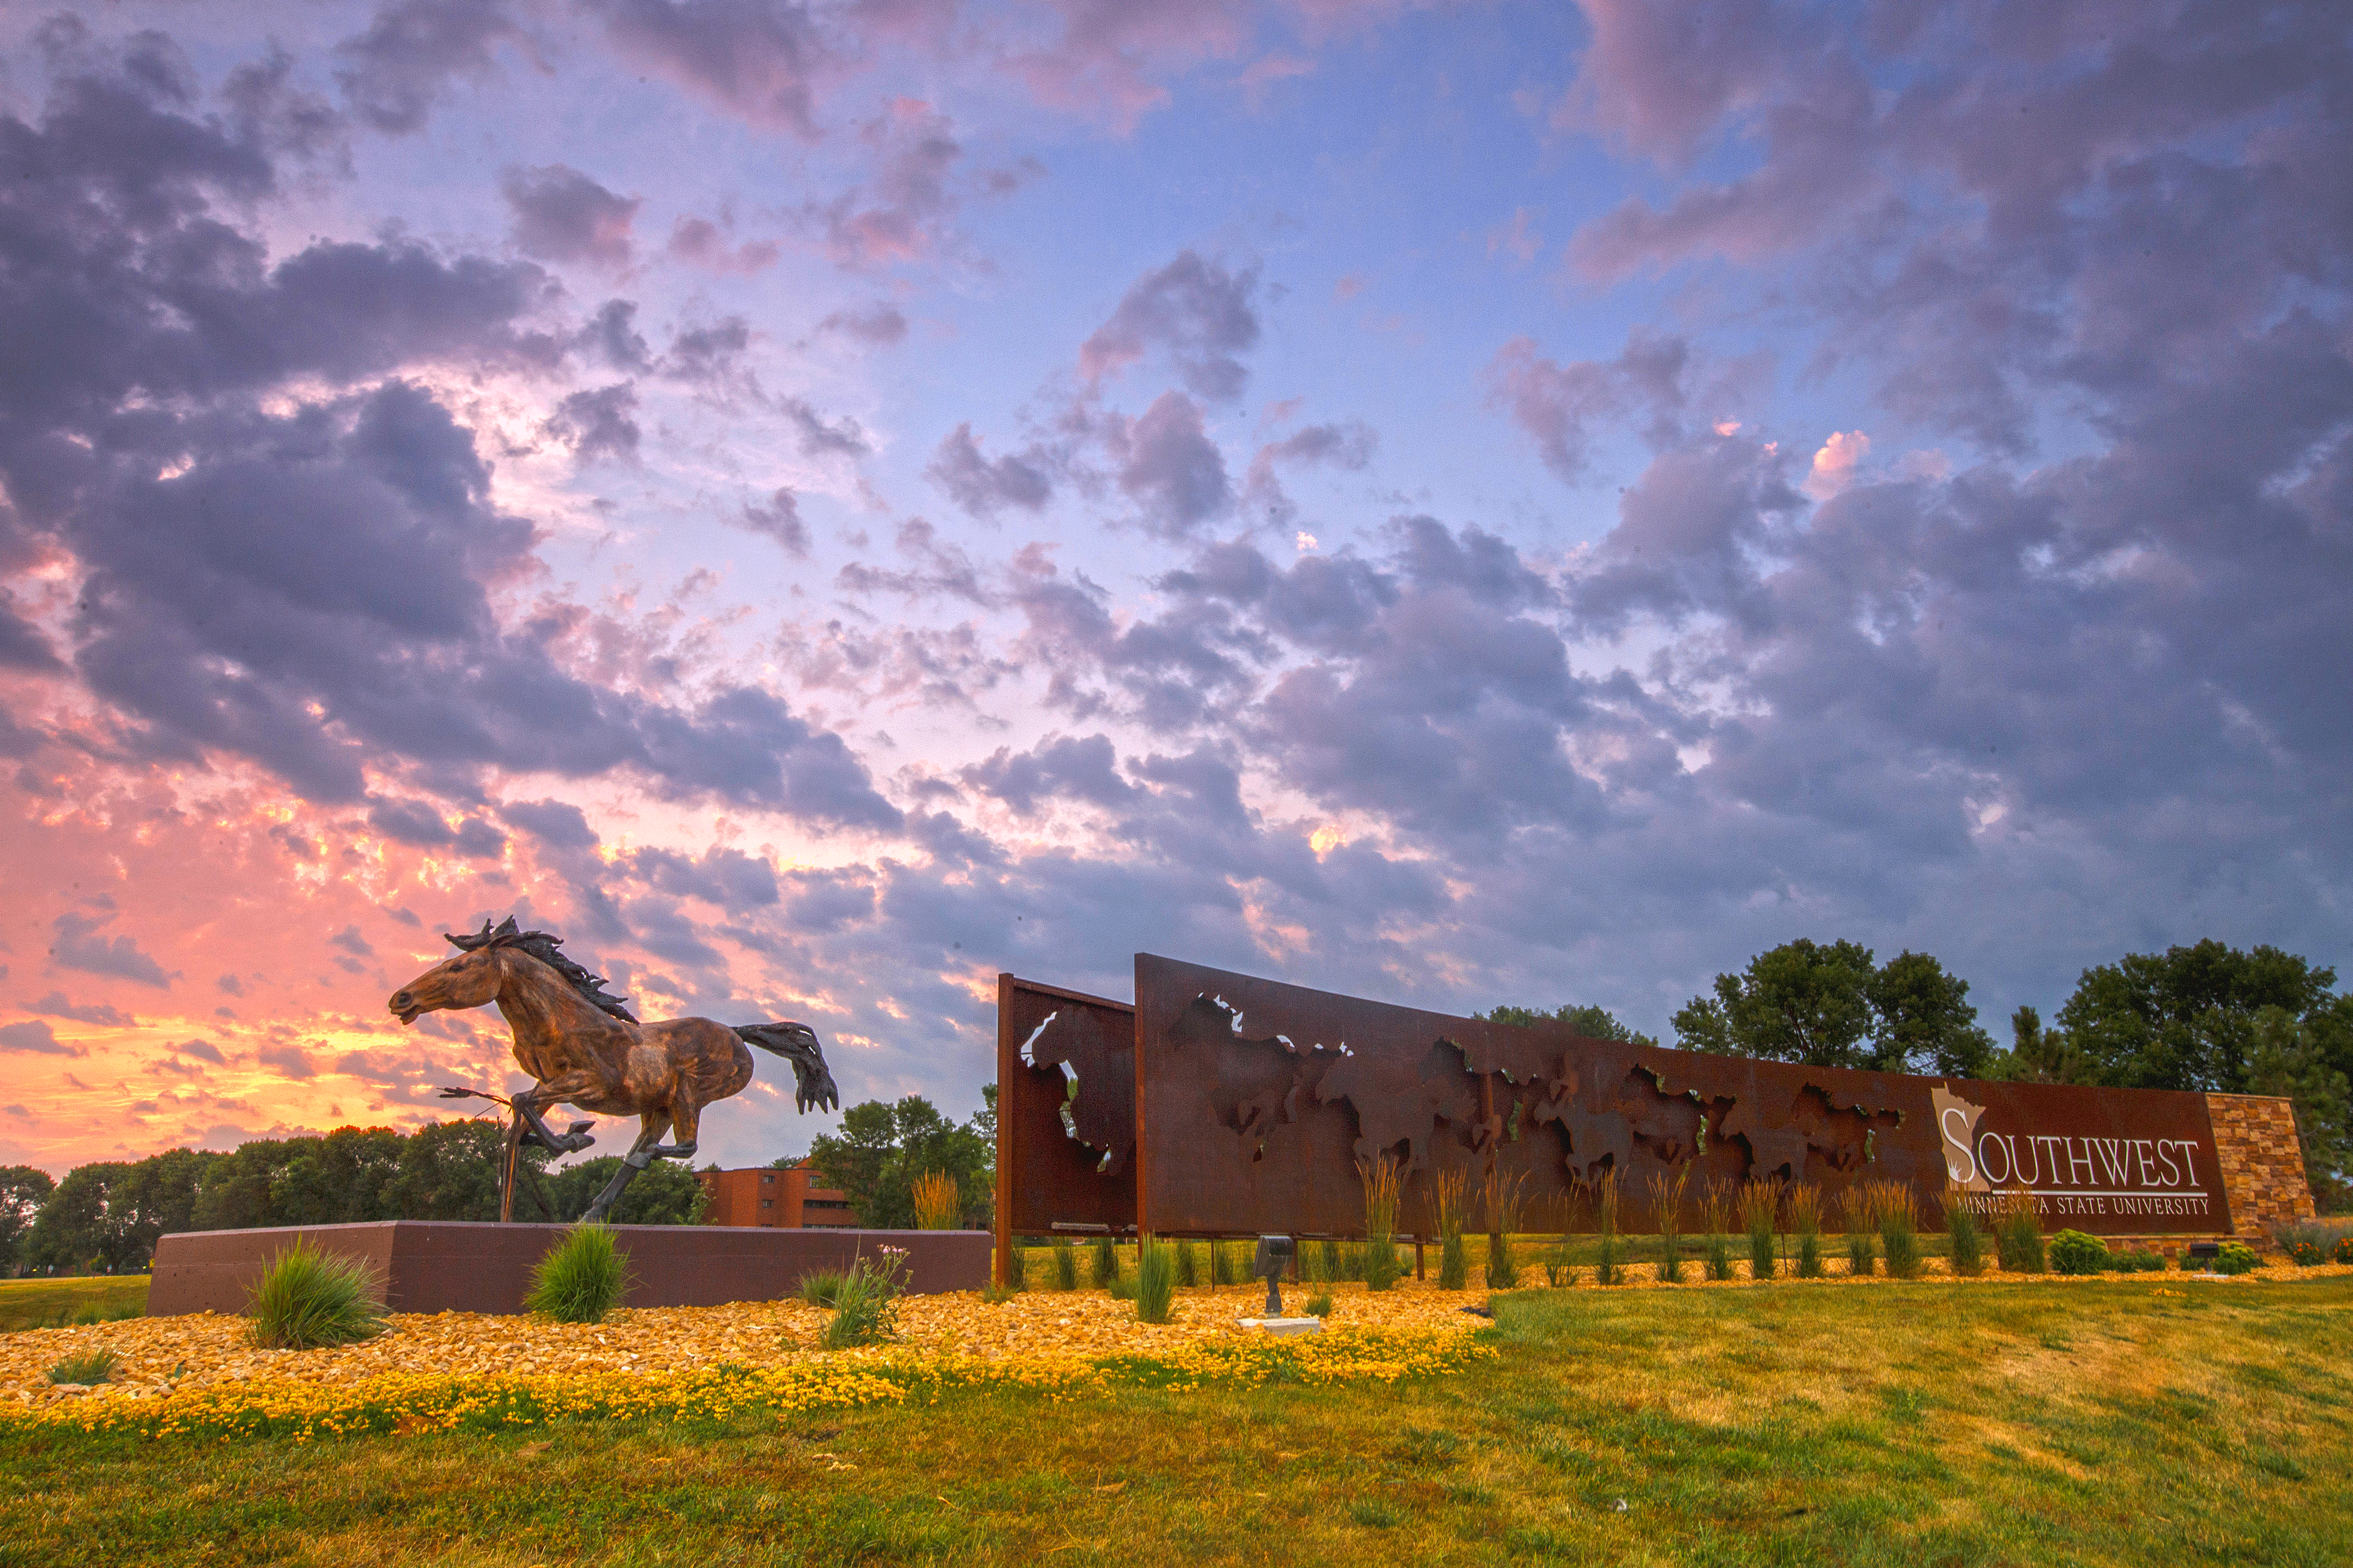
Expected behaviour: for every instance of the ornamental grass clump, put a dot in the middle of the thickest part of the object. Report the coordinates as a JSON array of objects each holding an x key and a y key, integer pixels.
[
  {"x": 1759, "y": 1197},
  {"x": 1155, "y": 1280},
  {"x": 307, "y": 1299},
  {"x": 1102, "y": 1265},
  {"x": 822, "y": 1287},
  {"x": 581, "y": 1278},
  {"x": 1666, "y": 1209},
  {"x": 1718, "y": 1202},
  {"x": 1899, "y": 1228},
  {"x": 1608, "y": 1271},
  {"x": 1449, "y": 1198},
  {"x": 84, "y": 1371},
  {"x": 1965, "y": 1241},
  {"x": 1806, "y": 1219},
  {"x": 1384, "y": 1184},
  {"x": 2017, "y": 1234},
  {"x": 1861, "y": 1222},
  {"x": 1016, "y": 1267},
  {"x": 1505, "y": 1199},
  {"x": 866, "y": 1303},
  {"x": 1320, "y": 1304},
  {"x": 1222, "y": 1265},
  {"x": 1066, "y": 1266},
  {"x": 938, "y": 1204},
  {"x": 1188, "y": 1266}
]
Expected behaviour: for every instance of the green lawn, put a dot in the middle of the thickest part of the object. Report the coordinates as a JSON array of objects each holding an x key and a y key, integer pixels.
[
  {"x": 2123, "y": 1421},
  {"x": 53, "y": 1303}
]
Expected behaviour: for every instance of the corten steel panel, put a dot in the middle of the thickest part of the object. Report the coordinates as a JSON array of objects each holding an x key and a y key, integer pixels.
[
  {"x": 1256, "y": 1100},
  {"x": 434, "y": 1266},
  {"x": 1051, "y": 1173}
]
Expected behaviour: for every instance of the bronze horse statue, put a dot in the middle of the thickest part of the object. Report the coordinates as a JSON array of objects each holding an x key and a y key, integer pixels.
[{"x": 585, "y": 1049}]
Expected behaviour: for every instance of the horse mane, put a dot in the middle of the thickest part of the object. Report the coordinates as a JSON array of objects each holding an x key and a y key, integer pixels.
[{"x": 546, "y": 947}]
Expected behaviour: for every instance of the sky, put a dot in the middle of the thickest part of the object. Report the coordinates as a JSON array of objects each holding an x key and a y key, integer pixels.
[{"x": 819, "y": 503}]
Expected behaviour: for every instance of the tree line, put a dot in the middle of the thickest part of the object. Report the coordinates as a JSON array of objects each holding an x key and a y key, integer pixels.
[
  {"x": 2205, "y": 1017},
  {"x": 105, "y": 1216}
]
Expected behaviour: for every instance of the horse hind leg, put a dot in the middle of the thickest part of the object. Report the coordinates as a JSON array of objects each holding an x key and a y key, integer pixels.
[{"x": 639, "y": 1156}]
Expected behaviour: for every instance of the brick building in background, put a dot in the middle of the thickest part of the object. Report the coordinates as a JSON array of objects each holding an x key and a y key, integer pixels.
[{"x": 780, "y": 1198}]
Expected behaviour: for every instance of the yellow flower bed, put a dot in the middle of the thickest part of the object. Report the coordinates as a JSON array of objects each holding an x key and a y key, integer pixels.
[{"x": 203, "y": 1375}]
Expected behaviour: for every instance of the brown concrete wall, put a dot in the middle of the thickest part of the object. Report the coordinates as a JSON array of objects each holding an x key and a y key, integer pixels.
[
  {"x": 434, "y": 1266},
  {"x": 2262, "y": 1162}
]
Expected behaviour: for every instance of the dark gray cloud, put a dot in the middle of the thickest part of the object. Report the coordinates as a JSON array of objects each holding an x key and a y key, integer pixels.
[
  {"x": 880, "y": 324},
  {"x": 597, "y": 423},
  {"x": 55, "y": 1005},
  {"x": 305, "y": 582},
  {"x": 34, "y": 1038},
  {"x": 203, "y": 1050},
  {"x": 412, "y": 50},
  {"x": 561, "y": 214},
  {"x": 1170, "y": 468},
  {"x": 557, "y": 824},
  {"x": 1197, "y": 312},
  {"x": 77, "y": 945},
  {"x": 1081, "y": 768},
  {"x": 756, "y": 59},
  {"x": 982, "y": 486},
  {"x": 779, "y": 519}
]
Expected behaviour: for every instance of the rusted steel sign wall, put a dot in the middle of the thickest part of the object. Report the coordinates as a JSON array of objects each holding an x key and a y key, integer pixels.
[
  {"x": 1065, "y": 1111},
  {"x": 1254, "y": 1100}
]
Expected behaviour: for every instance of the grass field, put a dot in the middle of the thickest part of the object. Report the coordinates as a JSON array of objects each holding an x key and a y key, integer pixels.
[
  {"x": 2119, "y": 1421},
  {"x": 52, "y": 1303}
]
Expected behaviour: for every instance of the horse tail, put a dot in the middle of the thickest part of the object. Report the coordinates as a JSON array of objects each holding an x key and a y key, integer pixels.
[{"x": 797, "y": 1043}]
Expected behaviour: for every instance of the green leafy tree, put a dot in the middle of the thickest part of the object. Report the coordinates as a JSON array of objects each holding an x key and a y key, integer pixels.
[
  {"x": 1802, "y": 1001},
  {"x": 22, "y": 1190},
  {"x": 2185, "y": 1018},
  {"x": 1921, "y": 1020},
  {"x": 451, "y": 1169},
  {"x": 881, "y": 1149},
  {"x": 1594, "y": 1023},
  {"x": 1831, "y": 1004},
  {"x": 106, "y": 1216},
  {"x": 2296, "y": 1058}
]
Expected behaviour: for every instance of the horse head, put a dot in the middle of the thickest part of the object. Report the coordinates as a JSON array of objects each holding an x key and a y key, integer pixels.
[{"x": 469, "y": 980}]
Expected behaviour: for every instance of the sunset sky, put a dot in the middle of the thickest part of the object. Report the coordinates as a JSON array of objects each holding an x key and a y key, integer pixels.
[{"x": 1451, "y": 504}]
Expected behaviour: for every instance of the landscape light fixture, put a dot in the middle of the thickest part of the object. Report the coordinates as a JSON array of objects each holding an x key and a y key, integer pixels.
[{"x": 1274, "y": 1255}]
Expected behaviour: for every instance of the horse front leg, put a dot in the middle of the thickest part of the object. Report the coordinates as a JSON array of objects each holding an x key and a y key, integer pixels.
[
  {"x": 554, "y": 1093},
  {"x": 639, "y": 1156}
]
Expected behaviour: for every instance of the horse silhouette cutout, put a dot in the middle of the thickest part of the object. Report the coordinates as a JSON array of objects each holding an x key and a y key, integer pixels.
[{"x": 584, "y": 1048}]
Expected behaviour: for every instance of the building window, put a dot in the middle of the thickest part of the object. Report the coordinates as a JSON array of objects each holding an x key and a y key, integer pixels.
[{"x": 767, "y": 1202}]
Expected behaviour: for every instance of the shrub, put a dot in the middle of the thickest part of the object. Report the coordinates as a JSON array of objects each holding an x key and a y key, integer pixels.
[
  {"x": 1860, "y": 1224},
  {"x": 1899, "y": 1226},
  {"x": 1805, "y": 1218},
  {"x": 307, "y": 1298},
  {"x": 1759, "y": 1198},
  {"x": 1449, "y": 1200},
  {"x": 581, "y": 1278},
  {"x": 822, "y": 1287},
  {"x": 2136, "y": 1262},
  {"x": 2018, "y": 1235},
  {"x": 938, "y": 1205},
  {"x": 2343, "y": 1251},
  {"x": 1605, "y": 1220},
  {"x": 1383, "y": 1185},
  {"x": 1155, "y": 1280},
  {"x": 2073, "y": 1252},
  {"x": 1103, "y": 1264},
  {"x": 1719, "y": 1246},
  {"x": 866, "y": 1303},
  {"x": 1666, "y": 1207},
  {"x": 2236, "y": 1257},
  {"x": 88, "y": 1368},
  {"x": 1320, "y": 1304},
  {"x": 1066, "y": 1266},
  {"x": 1967, "y": 1242}
]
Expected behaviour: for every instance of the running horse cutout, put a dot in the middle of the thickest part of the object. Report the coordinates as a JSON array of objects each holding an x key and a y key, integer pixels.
[{"x": 585, "y": 1049}]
